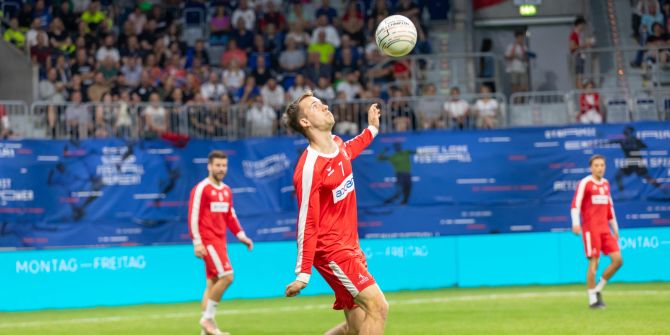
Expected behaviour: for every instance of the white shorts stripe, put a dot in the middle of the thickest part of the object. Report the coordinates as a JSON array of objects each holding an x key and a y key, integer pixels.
[
  {"x": 343, "y": 278},
  {"x": 587, "y": 237},
  {"x": 216, "y": 260}
]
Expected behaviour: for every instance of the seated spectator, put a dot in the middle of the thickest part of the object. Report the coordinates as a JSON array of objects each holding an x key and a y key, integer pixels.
[
  {"x": 105, "y": 114},
  {"x": 83, "y": 67},
  {"x": 213, "y": 89},
  {"x": 109, "y": 69},
  {"x": 273, "y": 94},
  {"x": 401, "y": 112},
  {"x": 353, "y": 23},
  {"x": 327, "y": 11},
  {"x": 331, "y": 34},
  {"x": 31, "y": 35},
  {"x": 77, "y": 117},
  {"x": 298, "y": 87},
  {"x": 205, "y": 120},
  {"x": 298, "y": 35},
  {"x": 350, "y": 87},
  {"x": 5, "y": 129},
  {"x": 345, "y": 64},
  {"x": 155, "y": 117},
  {"x": 316, "y": 69},
  {"x": 219, "y": 26},
  {"x": 345, "y": 115},
  {"x": 99, "y": 88},
  {"x": 59, "y": 38},
  {"x": 108, "y": 50},
  {"x": 50, "y": 89},
  {"x": 261, "y": 120},
  {"x": 41, "y": 52},
  {"x": 42, "y": 12},
  {"x": 66, "y": 14},
  {"x": 149, "y": 36},
  {"x": 325, "y": 50},
  {"x": 271, "y": 15},
  {"x": 487, "y": 109},
  {"x": 137, "y": 19},
  {"x": 233, "y": 77},
  {"x": 146, "y": 87},
  {"x": 291, "y": 59},
  {"x": 247, "y": 15},
  {"x": 589, "y": 105},
  {"x": 457, "y": 109},
  {"x": 246, "y": 93},
  {"x": 14, "y": 35},
  {"x": 93, "y": 16},
  {"x": 63, "y": 71},
  {"x": 324, "y": 90},
  {"x": 649, "y": 18},
  {"x": 300, "y": 13},
  {"x": 132, "y": 71},
  {"x": 274, "y": 40},
  {"x": 198, "y": 51},
  {"x": 233, "y": 53},
  {"x": 430, "y": 108},
  {"x": 243, "y": 36}
]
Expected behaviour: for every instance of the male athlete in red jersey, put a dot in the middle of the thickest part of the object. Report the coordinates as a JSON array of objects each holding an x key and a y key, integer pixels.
[
  {"x": 592, "y": 201},
  {"x": 327, "y": 219},
  {"x": 209, "y": 212}
]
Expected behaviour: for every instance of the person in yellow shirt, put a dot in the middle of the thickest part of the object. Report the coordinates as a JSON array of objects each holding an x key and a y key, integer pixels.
[
  {"x": 93, "y": 16},
  {"x": 14, "y": 35}
]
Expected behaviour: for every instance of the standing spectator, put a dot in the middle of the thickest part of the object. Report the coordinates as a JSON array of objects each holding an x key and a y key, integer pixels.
[
  {"x": 14, "y": 35},
  {"x": 326, "y": 10},
  {"x": 457, "y": 109},
  {"x": 589, "y": 105},
  {"x": 331, "y": 34},
  {"x": 273, "y": 94},
  {"x": 213, "y": 89},
  {"x": 291, "y": 59},
  {"x": 353, "y": 23},
  {"x": 261, "y": 119},
  {"x": 155, "y": 117},
  {"x": 245, "y": 13},
  {"x": 488, "y": 109},
  {"x": 77, "y": 117},
  {"x": 233, "y": 77},
  {"x": 431, "y": 109},
  {"x": 324, "y": 90},
  {"x": 517, "y": 62},
  {"x": 577, "y": 44},
  {"x": 5, "y": 129},
  {"x": 487, "y": 64}
]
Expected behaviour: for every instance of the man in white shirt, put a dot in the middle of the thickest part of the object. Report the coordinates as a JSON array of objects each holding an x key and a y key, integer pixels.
[
  {"x": 332, "y": 36},
  {"x": 457, "y": 109},
  {"x": 246, "y": 13},
  {"x": 213, "y": 89},
  {"x": 351, "y": 88},
  {"x": 273, "y": 94},
  {"x": 108, "y": 50},
  {"x": 261, "y": 119},
  {"x": 517, "y": 62}
]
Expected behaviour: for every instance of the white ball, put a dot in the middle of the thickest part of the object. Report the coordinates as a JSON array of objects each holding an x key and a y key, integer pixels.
[{"x": 396, "y": 36}]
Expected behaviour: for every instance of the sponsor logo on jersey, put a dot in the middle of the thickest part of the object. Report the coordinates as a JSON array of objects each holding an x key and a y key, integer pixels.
[
  {"x": 330, "y": 170},
  {"x": 362, "y": 279},
  {"x": 219, "y": 207},
  {"x": 347, "y": 186},
  {"x": 599, "y": 199}
]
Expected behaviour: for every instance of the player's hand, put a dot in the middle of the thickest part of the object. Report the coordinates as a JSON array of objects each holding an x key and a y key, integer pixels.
[
  {"x": 248, "y": 242},
  {"x": 577, "y": 230},
  {"x": 374, "y": 113},
  {"x": 294, "y": 288},
  {"x": 200, "y": 251}
]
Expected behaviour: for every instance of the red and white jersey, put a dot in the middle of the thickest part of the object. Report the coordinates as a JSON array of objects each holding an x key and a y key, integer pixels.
[
  {"x": 593, "y": 204},
  {"x": 210, "y": 210},
  {"x": 327, "y": 218}
]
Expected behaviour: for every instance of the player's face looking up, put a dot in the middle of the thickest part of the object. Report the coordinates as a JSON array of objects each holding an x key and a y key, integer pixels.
[
  {"x": 316, "y": 114},
  {"x": 598, "y": 168},
  {"x": 218, "y": 168}
]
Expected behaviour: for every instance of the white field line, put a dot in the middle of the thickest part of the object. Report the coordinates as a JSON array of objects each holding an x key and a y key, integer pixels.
[{"x": 419, "y": 301}]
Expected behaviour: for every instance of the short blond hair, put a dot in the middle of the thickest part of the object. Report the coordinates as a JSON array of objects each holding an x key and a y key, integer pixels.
[{"x": 292, "y": 115}]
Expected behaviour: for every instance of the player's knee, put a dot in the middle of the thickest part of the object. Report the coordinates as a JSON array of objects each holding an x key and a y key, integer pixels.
[
  {"x": 380, "y": 308},
  {"x": 227, "y": 279}
]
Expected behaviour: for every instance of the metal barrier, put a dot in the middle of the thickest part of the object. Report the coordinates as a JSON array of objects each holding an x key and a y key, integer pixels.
[
  {"x": 538, "y": 108},
  {"x": 652, "y": 104},
  {"x": 15, "y": 119},
  {"x": 651, "y": 64}
]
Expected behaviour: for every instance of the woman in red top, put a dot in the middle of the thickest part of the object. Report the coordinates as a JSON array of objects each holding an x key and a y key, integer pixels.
[{"x": 589, "y": 105}]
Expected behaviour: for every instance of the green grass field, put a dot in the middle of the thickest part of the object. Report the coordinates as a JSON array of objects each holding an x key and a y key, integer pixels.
[{"x": 637, "y": 309}]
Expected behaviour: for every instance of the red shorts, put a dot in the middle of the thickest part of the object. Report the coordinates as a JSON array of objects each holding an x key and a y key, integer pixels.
[
  {"x": 217, "y": 263},
  {"x": 347, "y": 278},
  {"x": 597, "y": 241}
]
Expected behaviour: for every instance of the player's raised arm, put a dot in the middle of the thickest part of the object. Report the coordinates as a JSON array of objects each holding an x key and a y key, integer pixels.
[{"x": 357, "y": 144}]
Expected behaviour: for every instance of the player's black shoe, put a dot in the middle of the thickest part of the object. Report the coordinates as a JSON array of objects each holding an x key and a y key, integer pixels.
[
  {"x": 597, "y": 305},
  {"x": 600, "y": 299}
]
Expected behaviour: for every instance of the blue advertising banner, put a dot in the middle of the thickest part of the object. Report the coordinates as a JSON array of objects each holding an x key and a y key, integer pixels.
[{"x": 113, "y": 192}]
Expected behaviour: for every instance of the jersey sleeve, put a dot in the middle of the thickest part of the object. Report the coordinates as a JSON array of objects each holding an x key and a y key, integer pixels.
[
  {"x": 194, "y": 213},
  {"x": 357, "y": 144},
  {"x": 307, "y": 185},
  {"x": 576, "y": 206},
  {"x": 231, "y": 220}
]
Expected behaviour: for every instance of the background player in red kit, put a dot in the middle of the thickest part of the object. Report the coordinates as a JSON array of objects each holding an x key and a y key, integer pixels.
[
  {"x": 210, "y": 211},
  {"x": 592, "y": 204},
  {"x": 327, "y": 221}
]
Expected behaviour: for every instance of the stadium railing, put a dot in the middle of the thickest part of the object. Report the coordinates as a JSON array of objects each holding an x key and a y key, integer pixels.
[
  {"x": 538, "y": 108},
  {"x": 651, "y": 64}
]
